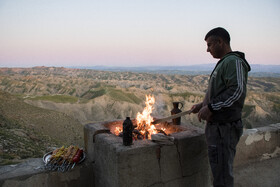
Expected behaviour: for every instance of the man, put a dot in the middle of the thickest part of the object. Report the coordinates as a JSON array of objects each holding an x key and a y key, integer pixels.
[{"x": 222, "y": 105}]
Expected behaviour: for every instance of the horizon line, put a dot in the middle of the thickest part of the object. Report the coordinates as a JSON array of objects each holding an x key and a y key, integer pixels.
[{"x": 127, "y": 66}]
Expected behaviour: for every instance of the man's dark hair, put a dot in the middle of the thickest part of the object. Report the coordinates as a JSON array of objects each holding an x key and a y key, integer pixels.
[{"x": 219, "y": 32}]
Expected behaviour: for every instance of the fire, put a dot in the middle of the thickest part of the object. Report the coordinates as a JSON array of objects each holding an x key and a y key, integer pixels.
[
  {"x": 118, "y": 130},
  {"x": 145, "y": 119},
  {"x": 144, "y": 128}
]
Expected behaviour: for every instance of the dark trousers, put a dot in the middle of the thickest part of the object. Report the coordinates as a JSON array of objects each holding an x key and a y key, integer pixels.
[{"x": 222, "y": 139}]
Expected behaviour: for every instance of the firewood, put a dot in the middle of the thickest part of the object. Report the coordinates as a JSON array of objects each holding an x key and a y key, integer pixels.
[
  {"x": 162, "y": 139},
  {"x": 161, "y": 131}
]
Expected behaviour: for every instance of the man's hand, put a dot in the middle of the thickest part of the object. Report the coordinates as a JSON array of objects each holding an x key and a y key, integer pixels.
[
  {"x": 204, "y": 114},
  {"x": 195, "y": 108}
]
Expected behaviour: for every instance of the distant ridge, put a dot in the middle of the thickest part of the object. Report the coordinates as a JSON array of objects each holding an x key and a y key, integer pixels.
[
  {"x": 258, "y": 70},
  {"x": 201, "y": 67}
]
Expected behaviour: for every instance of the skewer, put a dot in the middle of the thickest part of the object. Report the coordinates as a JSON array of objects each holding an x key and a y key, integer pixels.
[
  {"x": 73, "y": 165},
  {"x": 64, "y": 159}
]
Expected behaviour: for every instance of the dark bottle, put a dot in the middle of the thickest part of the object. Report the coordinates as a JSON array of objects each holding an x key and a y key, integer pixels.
[
  {"x": 176, "y": 110},
  {"x": 127, "y": 131}
]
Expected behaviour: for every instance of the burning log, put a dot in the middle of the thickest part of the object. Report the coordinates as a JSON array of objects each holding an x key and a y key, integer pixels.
[
  {"x": 163, "y": 128},
  {"x": 145, "y": 126},
  {"x": 137, "y": 135},
  {"x": 121, "y": 134},
  {"x": 161, "y": 131},
  {"x": 135, "y": 131}
]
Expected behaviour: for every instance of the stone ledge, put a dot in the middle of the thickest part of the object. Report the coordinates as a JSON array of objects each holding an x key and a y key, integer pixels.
[
  {"x": 257, "y": 143},
  {"x": 32, "y": 173},
  {"x": 22, "y": 170}
]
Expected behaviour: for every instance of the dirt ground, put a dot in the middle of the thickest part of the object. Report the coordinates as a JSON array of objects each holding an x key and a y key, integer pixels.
[{"x": 258, "y": 174}]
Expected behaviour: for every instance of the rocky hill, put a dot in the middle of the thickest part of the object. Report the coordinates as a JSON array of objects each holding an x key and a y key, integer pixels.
[
  {"x": 90, "y": 95},
  {"x": 47, "y": 99},
  {"x": 28, "y": 131}
]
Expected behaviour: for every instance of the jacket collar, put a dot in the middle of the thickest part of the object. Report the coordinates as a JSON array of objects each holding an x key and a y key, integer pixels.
[{"x": 236, "y": 53}]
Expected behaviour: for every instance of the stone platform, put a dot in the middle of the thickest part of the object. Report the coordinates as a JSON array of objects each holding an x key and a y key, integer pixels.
[{"x": 183, "y": 162}]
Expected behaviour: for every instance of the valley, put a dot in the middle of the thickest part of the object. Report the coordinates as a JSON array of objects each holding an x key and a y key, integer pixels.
[{"x": 50, "y": 104}]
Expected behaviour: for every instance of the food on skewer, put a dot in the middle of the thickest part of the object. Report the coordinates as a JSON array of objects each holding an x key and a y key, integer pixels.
[
  {"x": 77, "y": 157},
  {"x": 62, "y": 159},
  {"x": 70, "y": 159}
]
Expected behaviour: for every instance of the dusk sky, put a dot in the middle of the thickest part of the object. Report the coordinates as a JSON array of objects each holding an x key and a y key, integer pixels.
[{"x": 133, "y": 32}]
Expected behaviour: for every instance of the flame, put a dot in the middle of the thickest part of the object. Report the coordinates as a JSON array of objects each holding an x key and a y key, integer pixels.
[
  {"x": 118, "y": 130},
  {"x": 145, "y": 119}
]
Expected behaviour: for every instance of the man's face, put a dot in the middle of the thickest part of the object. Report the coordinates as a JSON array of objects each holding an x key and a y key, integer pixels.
[{"x": 214, "y": 46}]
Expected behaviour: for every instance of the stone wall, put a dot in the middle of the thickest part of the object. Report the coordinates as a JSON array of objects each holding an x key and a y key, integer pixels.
[
  {"x": 255, "y": 145},
  {"x": 258, "y": 144},
  {"x": 182, "y": 162}
]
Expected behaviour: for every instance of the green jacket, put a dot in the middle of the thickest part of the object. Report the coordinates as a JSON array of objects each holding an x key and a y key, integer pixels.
[{"x": 227, "y": 88}]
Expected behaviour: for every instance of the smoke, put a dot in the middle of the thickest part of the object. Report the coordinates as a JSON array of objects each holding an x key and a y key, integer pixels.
[{"x": 161, "y": 106}]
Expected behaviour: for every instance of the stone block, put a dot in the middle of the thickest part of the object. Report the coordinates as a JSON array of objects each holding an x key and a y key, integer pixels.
[
  {"x": 170, "y": 165},
  {"x": 119, "y": 165},
  {"x": 193, "y": 153},
  {"x": 90, "y": 131},
  {"x": 147, "y": 163},
  {"x": 105, "y": 164},
  {"x": 138, "y": 166}
]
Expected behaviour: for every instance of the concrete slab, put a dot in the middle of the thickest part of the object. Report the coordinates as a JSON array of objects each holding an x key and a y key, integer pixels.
[{"x": 258, "y": 174}]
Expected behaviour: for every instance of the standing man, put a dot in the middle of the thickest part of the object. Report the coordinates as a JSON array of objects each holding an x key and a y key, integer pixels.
[{"x": 222, "y": 105}]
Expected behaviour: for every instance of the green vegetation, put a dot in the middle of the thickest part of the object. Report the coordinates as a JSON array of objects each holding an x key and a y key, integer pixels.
[
  {"x": 91, "y": 94},
  {"x": 27, "y": 131},
  {"x": 57, "y": 98},
  {"x": 20, "y": 146},
  {"x": 18, "y": 143},
  {"x": 111, "y": 91},
  {"x": 119, "y": 95}
]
